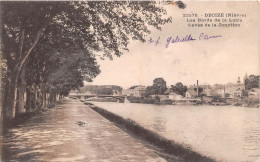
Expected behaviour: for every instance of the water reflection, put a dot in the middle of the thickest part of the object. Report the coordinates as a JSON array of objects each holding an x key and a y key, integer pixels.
[{"x": 225, "y": 133}]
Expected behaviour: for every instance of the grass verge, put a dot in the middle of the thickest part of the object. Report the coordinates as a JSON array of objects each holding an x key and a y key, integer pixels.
[{"x": 168, "y": 146}]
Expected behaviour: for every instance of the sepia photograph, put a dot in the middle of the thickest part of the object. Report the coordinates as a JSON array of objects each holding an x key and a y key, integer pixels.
[{"x": 129, "y": 81}]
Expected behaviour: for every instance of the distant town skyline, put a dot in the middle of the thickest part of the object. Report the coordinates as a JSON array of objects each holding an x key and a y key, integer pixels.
[
  {"x": 170, "y": 84},
  {"x": 220, "y": 60}
]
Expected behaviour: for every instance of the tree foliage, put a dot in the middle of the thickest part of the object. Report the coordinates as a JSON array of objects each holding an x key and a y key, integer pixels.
[
  {"x": 252, "y": 82},
  {"x": 101, "y": 89},
  {"x": 56, "y": 42},
  {"x": 158, "y": 87},
  {"x": 179, "y": 89},
  {"x": 75, "y": 27}
]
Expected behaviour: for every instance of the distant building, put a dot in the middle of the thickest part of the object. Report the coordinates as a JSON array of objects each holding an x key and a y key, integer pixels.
[
  {"x": 219, "y": 90},
  {"x": 191, "y": 93},
  {"x": 210, "y": 92},
  {"x": 174, "y": 96},
  {"x": 234, "y": 90},
  {"x": 205, "y": 86},
  {"x": 137, "y": 91},
  {"x": 162, "y": 97},
  {"x": 192, "y": 88}
]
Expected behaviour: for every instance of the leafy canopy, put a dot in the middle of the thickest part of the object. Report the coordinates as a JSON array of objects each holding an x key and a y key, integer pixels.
[
  {"x": 179, "y": 89},
  {"x": 158, "y": 87},
  {"x": 71, "y": 33}
]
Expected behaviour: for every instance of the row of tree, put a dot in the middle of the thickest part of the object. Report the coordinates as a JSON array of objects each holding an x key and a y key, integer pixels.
[
  {"x": 100, "y": 89},
  {"x": 49, "y": 47}
]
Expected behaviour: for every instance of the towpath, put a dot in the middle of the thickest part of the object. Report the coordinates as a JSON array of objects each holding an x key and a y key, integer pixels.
[{"x": 73, "y": 132}]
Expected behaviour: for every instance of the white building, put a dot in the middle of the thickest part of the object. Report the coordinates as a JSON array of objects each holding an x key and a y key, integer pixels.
[
  {"x": 138, "y": 91},
  {"x": 174, "y": 96}
]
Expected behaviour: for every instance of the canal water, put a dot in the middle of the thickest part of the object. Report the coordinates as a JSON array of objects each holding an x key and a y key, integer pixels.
[{"x": 225, "y": 133}]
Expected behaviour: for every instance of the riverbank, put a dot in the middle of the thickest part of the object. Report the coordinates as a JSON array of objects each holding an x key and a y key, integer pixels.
[
  {"x": 168, "y": 146},
  {"x": 245, "y": 102},
  {"x": 97, "y": 99}
]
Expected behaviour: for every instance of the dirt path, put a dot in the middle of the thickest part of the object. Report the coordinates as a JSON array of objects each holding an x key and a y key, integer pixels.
[{"x": 73, "y": 132}]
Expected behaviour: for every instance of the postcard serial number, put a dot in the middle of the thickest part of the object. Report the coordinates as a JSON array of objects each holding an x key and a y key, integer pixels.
[{"x": 190, "y": 15}]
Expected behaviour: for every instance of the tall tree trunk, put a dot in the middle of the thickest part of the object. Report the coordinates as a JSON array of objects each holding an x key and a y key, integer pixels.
[
  {"x": 43, "y": 96},
  {"x": 53, "y": 97},
  {"x": 34, "y": 97},
  {"x": 20, "y": 94},
  {"x": 10, "y": 96},
  {"x": 11, "y": 87},
  {"x": 58, "y": 97},
  {"x": 44, "y": 100},
  {"x": 28, "y": 100},
  {"x": 47, "y": 99},
  {"x": 1, "y": 94}
]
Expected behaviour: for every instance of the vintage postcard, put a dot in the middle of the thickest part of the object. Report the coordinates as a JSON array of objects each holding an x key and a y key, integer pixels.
[{"x": 137, "y": 81}]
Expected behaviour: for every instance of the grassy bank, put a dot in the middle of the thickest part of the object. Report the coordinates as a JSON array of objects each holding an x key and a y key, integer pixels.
[
  {"x": 144, "y": 100},
  {"x": 102, "y": 99},
  {"x": 168, "y": 146}
]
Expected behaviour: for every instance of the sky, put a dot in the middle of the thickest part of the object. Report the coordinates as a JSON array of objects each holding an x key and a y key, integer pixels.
[{"x": 220, "y": 60}]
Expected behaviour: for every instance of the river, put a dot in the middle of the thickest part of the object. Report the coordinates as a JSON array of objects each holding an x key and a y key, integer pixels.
[{"x": 225, "y": 133}]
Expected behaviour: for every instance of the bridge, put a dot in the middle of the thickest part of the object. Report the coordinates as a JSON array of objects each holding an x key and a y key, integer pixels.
[{"x": 120, "y": 98}]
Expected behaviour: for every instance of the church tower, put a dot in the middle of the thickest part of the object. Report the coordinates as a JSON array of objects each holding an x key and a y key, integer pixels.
[{"x": 238, "y": 80}]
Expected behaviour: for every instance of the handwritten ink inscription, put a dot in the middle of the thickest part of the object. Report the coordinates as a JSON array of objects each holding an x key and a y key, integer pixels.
[{"x": 179, "y": 39}]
